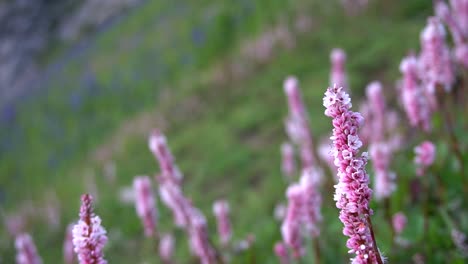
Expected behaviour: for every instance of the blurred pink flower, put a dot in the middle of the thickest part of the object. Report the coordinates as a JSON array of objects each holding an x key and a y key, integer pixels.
[
  {"x": 291, "y": 229},
  {"x": 288, "y": 165},
  {"x": 461, "y": 54},
  {"x": 376, "y": 99},
  {"x": 338, "y": 74},
  {"x": 169, "y": 170},
  {"x": 166, "y": 247},
  {"x": 172, "y": 196},
  {"x": 399, "y": 222},
  {"x": 352, "y": 194},
  {"x": 221, "y": 212},
  {"x": 89, "y": 237},
  {"x": 460, "y": 240},
  {"x": 26, "y": 252},
  {"x": 435, "y": 61},
  {"x": 384, "y": 183},
  {"x": 199, "y": 240},
  {"x": 312, "y": 200},
  {"x": 68, "y": 251},
  {"x": 415, "y": 103},
  {"x": 297, "y": 123},
  {"x": 424, "y": 156},
  {"x": 281, "y": 251},
  {"x": 145, "y": 204}
]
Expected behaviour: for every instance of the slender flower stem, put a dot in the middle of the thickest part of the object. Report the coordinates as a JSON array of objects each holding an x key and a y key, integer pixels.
[{"x": 374, "y": 242}]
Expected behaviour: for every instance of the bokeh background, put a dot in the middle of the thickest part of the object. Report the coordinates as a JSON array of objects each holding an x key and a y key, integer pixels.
[{"x": 83, "y": 83}]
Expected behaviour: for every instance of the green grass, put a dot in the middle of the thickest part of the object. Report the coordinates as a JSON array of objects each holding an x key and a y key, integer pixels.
[{"x": 225, "y": 138}]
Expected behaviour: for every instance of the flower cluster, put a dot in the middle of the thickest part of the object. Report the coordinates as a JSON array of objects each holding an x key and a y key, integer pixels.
[
  {"x": 68, "y": 251},
  {"x": 221, "y": 212},
  {"x": 169, "y": 171},
  {"x": 89, "y": 237},
  {"x": 297, "y": 123},
  {"x": 424, "y": 156},
  {"x": 338, "y": 73},
  {"x": 352, "y": 191},
  {"x": 384, "y": 183},
  {"x": 166, "y": 247},
  {"x": 145, "y": 204},
  {"x": 288, "y": 165},
  {"x": 185, "y": 214},
  {"x": 26, "y": 250},
  {"x": 456, "y": 19},
  {"x": 399, "y": 222},
  {"x": 435, "y": 59},
  {"x": 415, "y": 103},
  {"x": 303, "y": 211}
]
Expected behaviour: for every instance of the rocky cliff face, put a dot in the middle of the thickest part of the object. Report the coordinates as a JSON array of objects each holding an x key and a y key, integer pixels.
[{"x": 28, "y": 27}]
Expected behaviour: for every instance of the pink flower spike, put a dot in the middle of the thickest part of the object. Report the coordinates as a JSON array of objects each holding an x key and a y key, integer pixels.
[
  {"x": 415, "y": 103},
  {"x": 199, "y": 240},
  {"x": 376, "y": 98},
  {"x": 221, "y": 212},
  {"x": 338, "y": 73},
  {"x": 166, "y": 247},
  {"x": 68, "y": 251},
  {"x": 297, "y": 123},
  {"x": 461, "y": 54},
  {"x": 384, "y": 183},
  {"x": 26, "y": 252},
  {"x": 145, "y": 204},
  {"x": 281, "y": 251},
  {"x": 352, "y": 194},
  {"x": 312, "y": 200},
  {"x": 89, "y": 237},
  {"x": 169, "y": 170},
  {"x": 291, "y": 229},
  {"x": 424, "y": 156},
  {"x": 460, "y": 15},
  {"x": 288, "y": 165},
  {"x": 435, "y": 61},
  {"x": 399, "y": 222}
]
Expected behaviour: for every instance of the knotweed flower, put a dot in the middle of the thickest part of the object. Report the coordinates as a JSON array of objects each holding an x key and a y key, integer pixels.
[
  {"x": 461, "y": 54},
  {"x": 26, "y": 252},
  {"x": 312, "y": 200},
  {"x": 288, "y": 165},
  {"x": 384, "y": 184},
  {"x": 297, "y": 123},
  {"x": 435, "y": 61},
  {"x": 424, "y": 156},
  {"x": 376, "y": 101},
  {"x": 444, "y": 13},
  {"x": 338, "y": 73},
  {"x": 460, "y": 14},
  {"x": 145, "y": 204},
  {"x": 399, "y": 222},
  {"x": 166, "y": 247},
  {"x": 352, "y": 191},
  {"x": 160, "y": 149},
  {"x": 89, "y": 237},
  {"x": 172, "y": 196},
  {"x": 460, "y": 240},
  {"x": 68, "y": 251},
  {"x": 281, "y": 251},
  {"x": 221, "y": 212},
  {"x": 291, "y": 229},
  {"x": 414, "y": 102},
  {"x": 199, "y": 240}
]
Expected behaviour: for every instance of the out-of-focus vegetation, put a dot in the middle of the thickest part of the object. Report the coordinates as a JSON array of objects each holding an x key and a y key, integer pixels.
[{"x": 186, "y": 68}]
